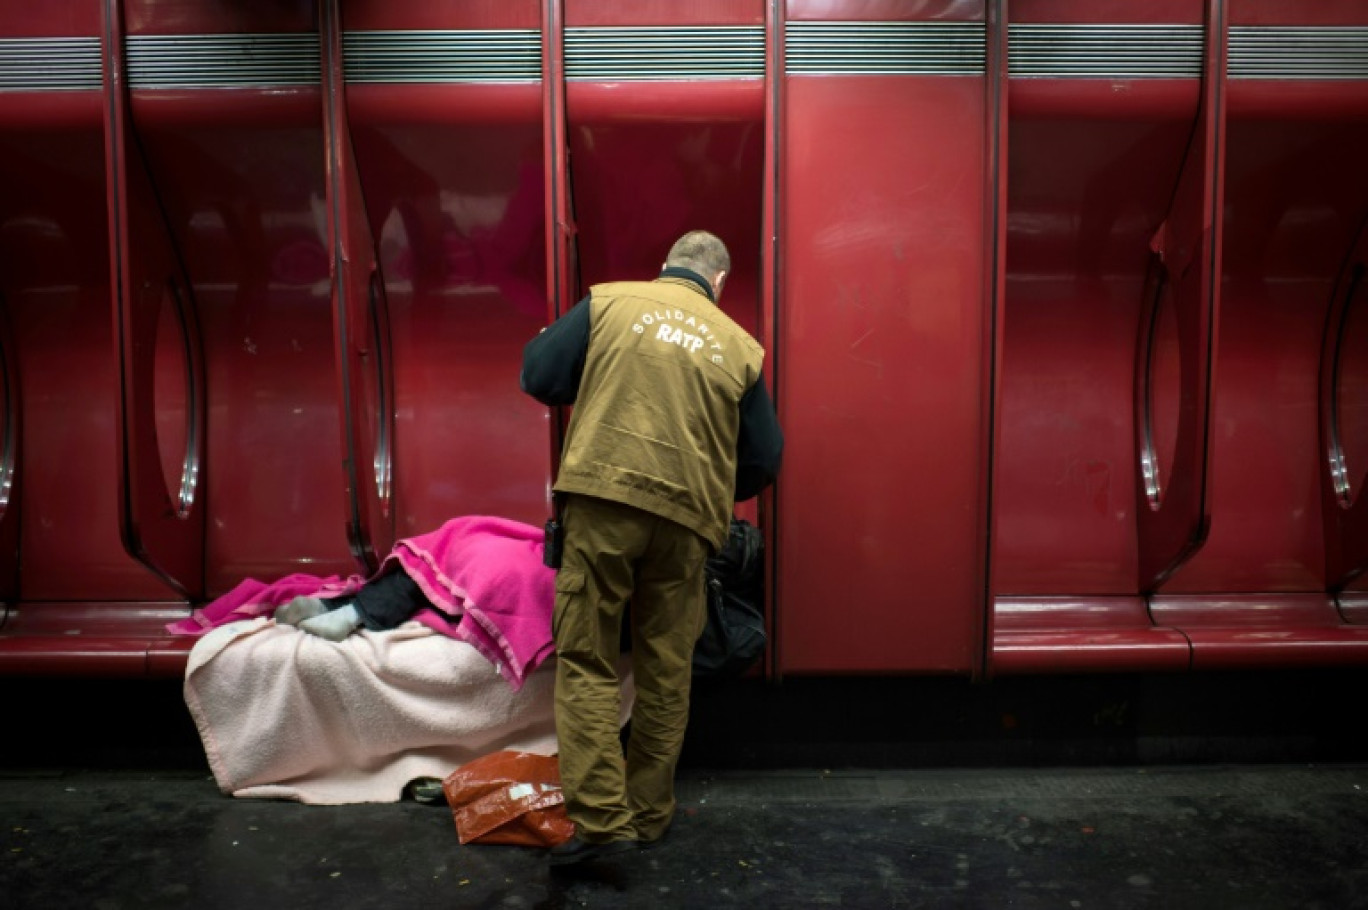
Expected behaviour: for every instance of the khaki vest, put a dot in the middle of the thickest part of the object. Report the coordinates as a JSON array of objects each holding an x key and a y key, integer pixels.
[{"x": 655, "y": 422}]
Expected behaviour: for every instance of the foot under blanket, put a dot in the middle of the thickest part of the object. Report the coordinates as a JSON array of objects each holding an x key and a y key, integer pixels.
[{"x": 284, "y": 714}]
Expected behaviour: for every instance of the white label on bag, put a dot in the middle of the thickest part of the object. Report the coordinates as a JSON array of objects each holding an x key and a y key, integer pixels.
[{"x": 519, "y": 791}]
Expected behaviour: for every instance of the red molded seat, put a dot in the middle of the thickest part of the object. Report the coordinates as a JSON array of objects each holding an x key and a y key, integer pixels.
[
  {"x": 120, "y": 639},
  {"x": 1073, "y": 634},
  {"x": 1263, "y": 630}
]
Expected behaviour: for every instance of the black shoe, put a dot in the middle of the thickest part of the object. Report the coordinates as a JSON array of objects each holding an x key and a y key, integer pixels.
[
  {"x": 578, "y": 851},
  {"x": 426, "y": 791}
]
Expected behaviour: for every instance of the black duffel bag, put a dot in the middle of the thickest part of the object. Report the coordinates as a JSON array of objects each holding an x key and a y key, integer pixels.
[{"x": 734, "y": 638}]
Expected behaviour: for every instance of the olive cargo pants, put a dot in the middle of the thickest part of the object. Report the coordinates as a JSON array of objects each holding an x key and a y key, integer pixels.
[{"x": 615, "y": 555}]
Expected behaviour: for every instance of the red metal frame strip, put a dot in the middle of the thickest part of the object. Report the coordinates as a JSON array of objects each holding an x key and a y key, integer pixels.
[
  {"x": 1189, "y": 247},
  {"x": 995, "y": 293},
  {"x": 146, "y": 274},
  {"x": 559, "y": 223},
  {"x": 771, "y": 292},
  {"x": 356, "y": 288}
]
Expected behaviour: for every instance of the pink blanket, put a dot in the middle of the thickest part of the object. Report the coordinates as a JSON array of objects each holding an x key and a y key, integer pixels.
[{"x": 484, "y": 573}]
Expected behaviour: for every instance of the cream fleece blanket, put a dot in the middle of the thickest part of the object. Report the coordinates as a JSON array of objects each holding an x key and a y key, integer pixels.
[{"x": 287, "y": 715}]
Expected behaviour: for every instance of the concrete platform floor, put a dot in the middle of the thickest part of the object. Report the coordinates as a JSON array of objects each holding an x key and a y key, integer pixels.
[
  {"x": 1249, "y": 837},
  {"x": 1207, "y": 791}
]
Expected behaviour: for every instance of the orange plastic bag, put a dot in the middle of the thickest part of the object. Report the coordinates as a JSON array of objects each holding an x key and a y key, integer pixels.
[{"x": 509, "y": 798}]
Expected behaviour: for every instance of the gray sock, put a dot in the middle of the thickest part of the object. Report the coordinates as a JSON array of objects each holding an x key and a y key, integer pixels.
[
  {"x": 334, "y": 625},
  {"x": 300, "y": 609}
]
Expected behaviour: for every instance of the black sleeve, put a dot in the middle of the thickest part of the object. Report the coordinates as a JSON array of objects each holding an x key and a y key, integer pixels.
[
  {"x": 388, "y": 601},
  {"x": 553, "y": 362},
  {"x": 760, "y": 443}
]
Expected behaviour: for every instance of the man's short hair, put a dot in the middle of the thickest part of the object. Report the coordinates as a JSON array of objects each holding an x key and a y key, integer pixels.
[{"x": 700, "y": 252}]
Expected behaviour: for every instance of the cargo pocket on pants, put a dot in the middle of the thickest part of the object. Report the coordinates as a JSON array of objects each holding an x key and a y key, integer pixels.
[{"x": 570, "y": 622}]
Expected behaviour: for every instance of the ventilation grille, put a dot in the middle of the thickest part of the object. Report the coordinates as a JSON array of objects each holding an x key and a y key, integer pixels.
[
  {"x": 50, "y": 64},
  {"x": 1291, "y": 52},
  {"x": 443, "y": 56},
  {"x": 222, "y": 61},
  {"x": 647, "y": 53},
  {"x": 884, "y": 48},
  {"x": 1081, "y": 51}
]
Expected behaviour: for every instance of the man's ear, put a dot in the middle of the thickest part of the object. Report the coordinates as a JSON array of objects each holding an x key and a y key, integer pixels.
[{"x": 718, "y": 280}]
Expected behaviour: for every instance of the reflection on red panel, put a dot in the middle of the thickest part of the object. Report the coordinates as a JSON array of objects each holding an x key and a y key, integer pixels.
[
  {"x": 458, "y": 213},
  {"x": 880, "y": 389},
  {"x": 62, "y": 535},
  {"x": 54, "y": 279},
  {"x": 1083, "y": 197},
  {"x": 240, "y": 173},
  {"x": 162, "y": 511},
  {"x": 1295, "y": 197},
  {"x": 453, "y": 178},
  {"x": 638, "y": 188},
  {"x": 247, "y": 208}
]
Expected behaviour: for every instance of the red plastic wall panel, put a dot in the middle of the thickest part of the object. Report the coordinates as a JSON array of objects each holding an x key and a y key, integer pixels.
[
  {"x": 440, "y": 15},
  {"x": 638, "y": 187},
  {"x": 1100, "y": 100},
  {"x": 453, "y": 181},
  {"x": 54, "y": 269},
  {"x": 216, "y": 17},
  {"x": 880, "y": 334},
  {"x": 1292, "y": 12},
  {"x": 55, "y": 287},
  {"x": 1148, "y": 12},
  {"x": 1094, "y": 157},
  {"x": 240, "y": 172},
  {"x": 1296, "y": 197},
  {"x": 885, "y": 10},
  {"x": 610, "y": 13},
  {"x": 1083, "y": 197},
  {"x": 80, "y": 19},
  {"x": 651, "y": 160}
]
